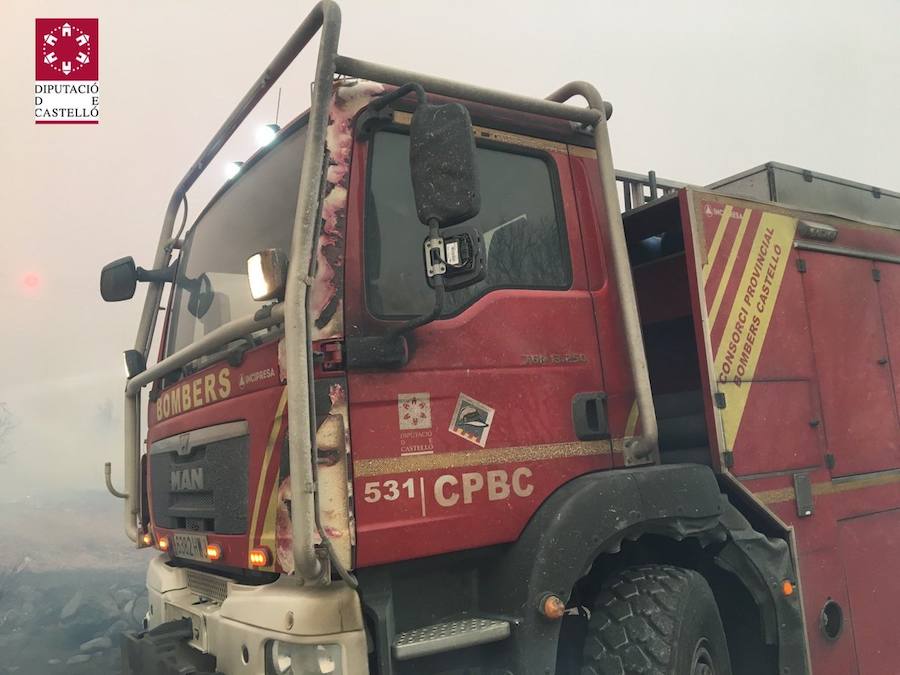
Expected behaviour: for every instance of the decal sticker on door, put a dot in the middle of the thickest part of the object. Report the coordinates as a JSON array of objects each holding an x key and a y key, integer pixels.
[
  {"x": 414, "y": 419},
  {"x": 414, "y": 411},
  {"x": 472, "y": 420}
]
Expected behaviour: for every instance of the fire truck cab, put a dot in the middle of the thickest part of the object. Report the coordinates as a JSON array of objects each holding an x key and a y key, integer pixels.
[{"x": 426, "y": 402}]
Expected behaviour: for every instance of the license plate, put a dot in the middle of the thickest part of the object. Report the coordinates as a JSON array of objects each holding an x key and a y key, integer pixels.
[{"x": 191, "y": 546}]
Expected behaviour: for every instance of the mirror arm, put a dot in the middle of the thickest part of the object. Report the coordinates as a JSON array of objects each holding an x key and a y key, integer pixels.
[
  {"x": 431, "y": 316},
  {"x": 377, "y": 114},
  {"x": 383, "y": 101},
  {"x": 412, "y": 324},
  {"x": 163, "y": 275}
]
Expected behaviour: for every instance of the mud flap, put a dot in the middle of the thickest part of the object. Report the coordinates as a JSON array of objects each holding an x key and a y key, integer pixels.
[{"x": 762, "y": 564}]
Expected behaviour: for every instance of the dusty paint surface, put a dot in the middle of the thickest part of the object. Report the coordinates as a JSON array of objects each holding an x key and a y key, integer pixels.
[{"x": 328, "y": 290}]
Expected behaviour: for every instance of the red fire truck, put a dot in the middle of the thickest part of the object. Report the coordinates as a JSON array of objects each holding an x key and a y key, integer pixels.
[{"x": 426, "y": 401}]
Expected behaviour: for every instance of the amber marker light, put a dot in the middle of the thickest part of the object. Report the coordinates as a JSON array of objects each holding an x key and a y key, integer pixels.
[
  {"x": 787, "y": 587},
  {"x": 213, "y": 551},
  {"x": 163, "y": 543},
  {"x": 147, "y": 539},
  {"x": 552, "y": 607},
  {"x": 260, "y": 557}
]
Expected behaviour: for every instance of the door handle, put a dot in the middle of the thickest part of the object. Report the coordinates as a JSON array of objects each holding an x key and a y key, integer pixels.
[{"x": 589, "y": 416}]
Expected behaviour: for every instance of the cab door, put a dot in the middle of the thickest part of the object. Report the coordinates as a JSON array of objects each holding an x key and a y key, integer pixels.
[{"x": 457, "y": 449}]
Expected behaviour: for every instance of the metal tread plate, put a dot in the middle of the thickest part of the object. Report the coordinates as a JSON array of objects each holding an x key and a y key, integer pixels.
[{"x": 449, "y": 636}]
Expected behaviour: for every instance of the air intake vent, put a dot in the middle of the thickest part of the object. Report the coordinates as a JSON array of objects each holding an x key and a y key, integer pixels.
[{"x": 207, "y": 585}]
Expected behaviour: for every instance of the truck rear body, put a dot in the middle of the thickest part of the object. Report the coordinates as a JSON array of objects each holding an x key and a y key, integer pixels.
[{"x": 785, "y": 320}]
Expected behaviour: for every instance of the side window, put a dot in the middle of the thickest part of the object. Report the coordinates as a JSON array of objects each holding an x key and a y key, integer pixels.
[{"x": 521, "y": 220}]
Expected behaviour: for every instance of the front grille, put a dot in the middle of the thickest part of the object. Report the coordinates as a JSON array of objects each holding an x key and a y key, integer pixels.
[
  {"x": 200, "y": 487},
  {"x": 207, "y": 585},
  {"x": 190, "y": 501}
]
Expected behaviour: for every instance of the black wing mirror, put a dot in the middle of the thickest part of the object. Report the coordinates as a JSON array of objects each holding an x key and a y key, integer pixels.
[
  {"x": 200, "y": 295},
  {"x": 442, "y": 163},
  {"x": 118, "y": 279},
  {"x": 447, "y": 192}
]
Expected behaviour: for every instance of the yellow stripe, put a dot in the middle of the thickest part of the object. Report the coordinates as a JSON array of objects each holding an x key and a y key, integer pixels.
[
  {"x": 268, "y": 537},
  {"x": 449, "y": 460},
  {"x": 735, "y": 362},
  {"x": 579, "y": 151},
  {"x": 717, "y": 241},
  {"x": 273, "y": 436},
  {"x": 631, "y": 424},
  {"x": 830, "y": 487},
  {"x": 729, "y": 267}
]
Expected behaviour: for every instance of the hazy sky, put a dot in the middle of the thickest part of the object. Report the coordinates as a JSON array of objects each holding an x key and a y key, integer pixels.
[{"x": 701, "y": 90}]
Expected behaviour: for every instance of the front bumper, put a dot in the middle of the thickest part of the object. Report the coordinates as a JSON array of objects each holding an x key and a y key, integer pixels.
[{"x": 235, "y": 631}]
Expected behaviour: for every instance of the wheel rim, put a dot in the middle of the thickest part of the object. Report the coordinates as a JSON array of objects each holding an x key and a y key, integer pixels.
[{"x": 702, "y": 661}]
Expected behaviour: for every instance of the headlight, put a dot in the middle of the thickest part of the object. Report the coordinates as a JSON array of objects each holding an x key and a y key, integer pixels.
[
  {"x": 267, "y": 273},
  {"x": 287, "y": 658}
]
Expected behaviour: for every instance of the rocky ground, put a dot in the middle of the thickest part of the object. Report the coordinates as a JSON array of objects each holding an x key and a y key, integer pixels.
[
  {"x": 69, "y": 585},
  {"x": 67, "y": 622}
]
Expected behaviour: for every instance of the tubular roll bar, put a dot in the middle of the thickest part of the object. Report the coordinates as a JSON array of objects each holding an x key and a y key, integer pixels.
[
  {"x": 326, "y": 15},
  {"x": 294, "y": 311},
  {"x": 646, "y": 445}
]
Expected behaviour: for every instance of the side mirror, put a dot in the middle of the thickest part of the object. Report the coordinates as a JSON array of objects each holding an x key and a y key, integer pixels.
[
  {"x": 118, "y": 280},
  {"x": 442, "y": 163},
  {"x": 267, "y": 273},
  {"x": 200, "y": 295}
]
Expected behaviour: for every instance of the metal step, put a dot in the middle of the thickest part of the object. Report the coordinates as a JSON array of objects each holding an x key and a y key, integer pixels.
[{"x": 448, "y": 636}]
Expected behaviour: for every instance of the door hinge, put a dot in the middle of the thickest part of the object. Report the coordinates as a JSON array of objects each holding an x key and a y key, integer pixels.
[
  {"x": 801, "y": 265},
  {"x": 876, "y": 274},
  {"x": 829, "y": 460},
  {"x": 332, "y": 355},
  {"x": 719, "y": 399},
  {"x": 728, "y": 458}
]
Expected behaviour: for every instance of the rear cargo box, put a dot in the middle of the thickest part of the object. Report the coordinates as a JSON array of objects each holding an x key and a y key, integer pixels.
[{"x": 774, "y": 182}]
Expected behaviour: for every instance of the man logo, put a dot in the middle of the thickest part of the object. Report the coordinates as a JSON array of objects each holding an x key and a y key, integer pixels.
[{"x": 187, "y": 479}]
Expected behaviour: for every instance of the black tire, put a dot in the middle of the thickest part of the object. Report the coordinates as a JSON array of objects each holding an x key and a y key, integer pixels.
[{"x": 655, "y": 620}]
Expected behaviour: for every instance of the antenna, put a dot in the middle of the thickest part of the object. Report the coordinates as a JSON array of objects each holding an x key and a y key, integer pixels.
[{"x": 278, "y": 105}]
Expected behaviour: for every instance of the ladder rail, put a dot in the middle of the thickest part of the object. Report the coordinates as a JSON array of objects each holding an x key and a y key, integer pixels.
[{"x": 639, "y": 189}]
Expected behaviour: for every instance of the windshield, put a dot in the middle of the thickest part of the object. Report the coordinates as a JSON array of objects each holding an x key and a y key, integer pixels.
[{"x": 255, "y": 212}]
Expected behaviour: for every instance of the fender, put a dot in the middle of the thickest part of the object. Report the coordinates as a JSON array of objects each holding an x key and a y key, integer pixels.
[{"x": 592, "y": 514}]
